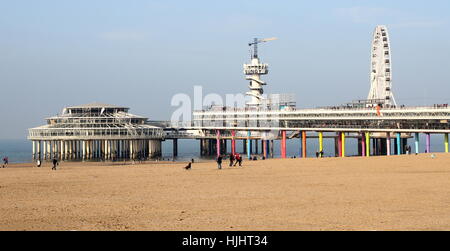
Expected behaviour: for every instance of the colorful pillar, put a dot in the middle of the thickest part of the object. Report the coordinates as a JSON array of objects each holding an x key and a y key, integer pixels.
[
  {"x": 283, "y": 144},
  {"x": 428, "y": 143},
  {"x": 446, "y": 142},
  {"x": 249, "y": 145},
  {"x": 304, "y": 154},
  {"x": 399, "y": 144},
  {"x": 416, "y": 136},
  {"x": 367, "y": 144},
  {"x": 388, "y": 144},
  {"x": 339, "y": 136},
  {"x": 320, "y": 143},
  {"x": 233, "y": 142},
  {"x": 363, "y": 145},
  {"x": 343, "y": 144}
]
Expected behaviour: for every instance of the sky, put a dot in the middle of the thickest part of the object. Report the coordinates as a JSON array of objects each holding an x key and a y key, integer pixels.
[{"x": 140, "y": 53}]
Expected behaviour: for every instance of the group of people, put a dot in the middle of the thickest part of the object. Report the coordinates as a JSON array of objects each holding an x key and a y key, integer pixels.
[
  {"x": 5, "y": 162},
  {"x": 234, "y": 160},
  {"x": 55, "y": 163}
]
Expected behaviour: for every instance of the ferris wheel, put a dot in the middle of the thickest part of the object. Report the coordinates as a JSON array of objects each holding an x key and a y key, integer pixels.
[{"x": 381, "y": 69}]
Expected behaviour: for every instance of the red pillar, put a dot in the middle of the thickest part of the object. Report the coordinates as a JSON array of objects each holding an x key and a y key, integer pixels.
[
  {"x": 340, "y": 144},
  {"x": 283, "y": 144},
  {"x": 363, "y": 144}
]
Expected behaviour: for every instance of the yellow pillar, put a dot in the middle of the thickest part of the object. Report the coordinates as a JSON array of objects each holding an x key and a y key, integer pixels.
[
  {"x": 343, "y": 144},
  {"x": 446, "y": 142},
  {"x": 367, "y": 144},
  {"x": 320, "y": 141}
]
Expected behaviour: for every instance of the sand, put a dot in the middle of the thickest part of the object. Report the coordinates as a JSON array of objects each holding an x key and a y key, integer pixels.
[{"x": 377, "y": 193}]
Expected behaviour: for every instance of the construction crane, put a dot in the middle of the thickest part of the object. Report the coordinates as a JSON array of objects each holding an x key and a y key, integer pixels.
[{"x": 255, "y": 43}]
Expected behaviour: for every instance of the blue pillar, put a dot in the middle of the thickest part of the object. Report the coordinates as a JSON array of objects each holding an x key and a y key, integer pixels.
[
  {"x": 249, "y": 145},
  {"x": 399, "y": 144},
  {"x": 417, "y": 142}
]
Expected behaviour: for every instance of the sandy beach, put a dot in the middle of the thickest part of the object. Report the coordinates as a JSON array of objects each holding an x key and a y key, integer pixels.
[{"x": 377, "y": 193}]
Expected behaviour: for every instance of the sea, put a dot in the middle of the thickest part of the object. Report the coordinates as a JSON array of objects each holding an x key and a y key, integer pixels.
[{"x": 20, "y": 150}]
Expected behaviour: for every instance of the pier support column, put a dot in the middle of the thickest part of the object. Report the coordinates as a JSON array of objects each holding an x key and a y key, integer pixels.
[
  {"x": 428, "y": 145},
  {"x": 73, "y": 146},
  {"x": 130, "y": 147},
  {"x": 320, "y": 144},
  {"x": 52, "y": 149},
  {"x": 271, "y": 148},
  {"x": 175, "y": 148},
  {"x": 70, "y": 149},
  {"x": 44, "y": 149},
  {"x": 84, "y": 149},
  {"x": 34, "y": 150},
  {"x": 343, "y": 144},
  {"x": 368, "y": 144},
  {"x": 446, "y": 142},
  {"x": 244, "y": 146},
  {"x": 339, "y": 139},
  {"x": 416, "y": 142},
  {"x": 88, "y": 149},
  {"x": 233, "y": 142},
  {"x": 66, "y": 150},
  {"x": 249, "y": 145},
  {"x": 304, "y": 150},
  {"x": 108, "y": 149},
  {"x": 388, "y": 144},
  {"x": 38, "y": 150},
  {"x": 92, "y": 149},
  {"x": 283, "y": 144},
  {"x": 399, "y": 144},
  {"x": 225, "y": 147},
  {"x": 363, "y": 145},
  {"x": 62, "y": 156},
  {"x": 218, "y": 144},
  {"x": 49, "y": 149},
  {"x": 264, "y": 147}
]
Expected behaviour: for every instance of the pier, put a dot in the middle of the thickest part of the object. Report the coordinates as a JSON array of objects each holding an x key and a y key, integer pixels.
[{"x": 381, "y": 127}]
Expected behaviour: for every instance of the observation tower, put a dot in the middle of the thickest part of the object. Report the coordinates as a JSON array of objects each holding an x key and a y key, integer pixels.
[{"x": 253, "y": 72}]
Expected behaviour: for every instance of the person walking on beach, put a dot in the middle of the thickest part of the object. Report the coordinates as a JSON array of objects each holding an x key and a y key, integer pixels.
[
  {"x": 55, "y": 163},
  {"x": 231, "y": 159},
  {"x": 38, "y": 163},
  {"x": 219, "y": 161},
  {"x": 238, "y": 159},
  {"x": 5, "y": 162}
]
